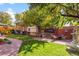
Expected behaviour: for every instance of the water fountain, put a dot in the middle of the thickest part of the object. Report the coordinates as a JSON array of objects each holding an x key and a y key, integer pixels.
[{"x": 74, "y": 46}]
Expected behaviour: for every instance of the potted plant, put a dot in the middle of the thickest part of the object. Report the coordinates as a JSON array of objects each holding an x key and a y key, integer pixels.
[{"x": 7, "y": 40}]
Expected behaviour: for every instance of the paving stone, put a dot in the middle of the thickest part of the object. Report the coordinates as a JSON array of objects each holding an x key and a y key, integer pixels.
[{"x": 10, "y": 49}]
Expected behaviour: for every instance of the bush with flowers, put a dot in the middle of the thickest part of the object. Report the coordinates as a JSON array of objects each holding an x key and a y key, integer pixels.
[{"x": 4, "y": 30}]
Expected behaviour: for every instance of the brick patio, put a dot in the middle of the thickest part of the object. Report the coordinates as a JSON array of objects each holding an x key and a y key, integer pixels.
[{"x": 10, "y": 49}]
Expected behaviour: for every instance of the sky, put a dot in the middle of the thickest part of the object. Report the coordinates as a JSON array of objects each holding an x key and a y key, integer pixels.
[{"x": 13, "y": 8}]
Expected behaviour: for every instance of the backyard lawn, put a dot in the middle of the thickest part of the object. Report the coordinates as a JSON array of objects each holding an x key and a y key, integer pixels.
[{"x": 31, "y": 47}]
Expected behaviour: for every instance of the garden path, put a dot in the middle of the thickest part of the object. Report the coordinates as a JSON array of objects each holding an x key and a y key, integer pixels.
[
  {"x": 10, "y": 49},
  {"x": 64, "y": 42}
]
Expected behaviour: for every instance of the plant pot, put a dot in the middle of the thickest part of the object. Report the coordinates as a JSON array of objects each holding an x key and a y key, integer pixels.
[{"x": 8, "y": 42}]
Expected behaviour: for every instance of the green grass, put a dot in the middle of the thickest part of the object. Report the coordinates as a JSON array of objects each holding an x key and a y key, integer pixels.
[{"x": 31, "y": 47}]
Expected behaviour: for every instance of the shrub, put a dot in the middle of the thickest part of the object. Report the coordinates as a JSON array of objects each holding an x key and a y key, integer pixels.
[
  {"x": 7, "y": 41},
  {"x": 5, "y": 30},
  {"x": 1, "y": 40}
]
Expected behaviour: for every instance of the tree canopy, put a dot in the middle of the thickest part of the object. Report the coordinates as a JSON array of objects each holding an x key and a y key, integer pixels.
[
  {"x": 49, "y": 15},
  {"x": 5, "y": 18}
]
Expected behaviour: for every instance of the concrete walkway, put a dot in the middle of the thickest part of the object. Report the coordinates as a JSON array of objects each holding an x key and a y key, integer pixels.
[
  {"x": 64, "y": 42},
  {"x": 10, "y": 49}
]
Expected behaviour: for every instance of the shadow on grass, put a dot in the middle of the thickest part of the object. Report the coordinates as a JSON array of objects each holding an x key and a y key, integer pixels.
[{"x": 30, "y": 45}]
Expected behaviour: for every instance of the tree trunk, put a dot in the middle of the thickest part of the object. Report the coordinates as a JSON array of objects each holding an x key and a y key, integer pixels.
[{"x": 39, "y": 29}]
